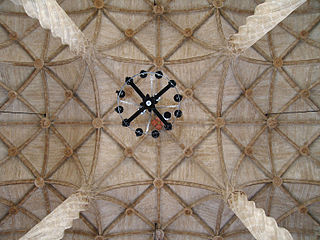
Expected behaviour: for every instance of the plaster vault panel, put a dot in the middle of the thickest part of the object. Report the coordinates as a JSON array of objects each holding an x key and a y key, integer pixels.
[{"x": 229, "y": 134}]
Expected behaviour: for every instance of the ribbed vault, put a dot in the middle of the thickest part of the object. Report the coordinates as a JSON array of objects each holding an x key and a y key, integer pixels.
[{"x": 235, "y": 130}]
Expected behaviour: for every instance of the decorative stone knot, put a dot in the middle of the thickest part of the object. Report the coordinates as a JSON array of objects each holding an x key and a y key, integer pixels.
[
  {"x": 219, "y": 122},
  {"x": 45, "y": 123},
  {"x": 277, "y": 181},
  {"x": 13, "y": 151},
  {"x": 187, "y": 32},
  {"x": 97, "y": 123},
  {"x": 129, "y": 33},
  {"x": 12, "y": 94},
  {"x": 248, "y": 92},
  {"x": 159, "y": 234},
  {"x": 38, "y": 63},
  {"x": 188, "y": 92},
  {"x": 272, "y": 123},
  {"x": 68, "y": 94},
  {"x": 305, "y": 93},
  {"x": 248, "y": 151},
  {"x": 13, "y": 36},
  {"x": 158, "y": 183},
  {"x": 303, "y": 35},
  {"x": 217, "y": 238},
  {"x": 98, "y": 4},
  {"x": 303, "y": 209},
  {"x": 217, "y": 3},
  {"x": 68, "y": 152},
  {"x": 188, "y": 211},
  {"x": 158, "y": 9},
  {"x": 129, "y": 211},
  {"x": 128, "y": 152},
  {"x": 13, "y": 210},
  {"x": 158, "y": 62},
  {"x": 278, "y": 62},
  {"x": 39, "y": 182},
  {"x": 188, "y": 152},
  {"x": 99, "y": 238},
  {"x": 304, "y": 151}
]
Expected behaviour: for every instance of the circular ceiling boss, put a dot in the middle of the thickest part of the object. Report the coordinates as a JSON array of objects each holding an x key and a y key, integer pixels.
[{"x": 154, "y": 107}]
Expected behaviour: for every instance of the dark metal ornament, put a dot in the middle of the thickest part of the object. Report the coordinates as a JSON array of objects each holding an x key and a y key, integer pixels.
[{"x": 149, "y": 104}]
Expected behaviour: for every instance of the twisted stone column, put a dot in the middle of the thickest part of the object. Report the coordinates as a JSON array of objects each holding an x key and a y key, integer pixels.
[
  {"x": 255, "y": 219},
  {"x": 266, "y": 16},
  {"x": 51, "y": 16},
  {"x": 52, "y": 226}
]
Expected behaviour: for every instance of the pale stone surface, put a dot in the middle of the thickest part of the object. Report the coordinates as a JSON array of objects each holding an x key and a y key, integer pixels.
[
  {"x": 52, "y": 226},
  {"x": 255, "y": 219},
  {"x": 52, "y": 16},
  {"x": 266, "y": 16}
]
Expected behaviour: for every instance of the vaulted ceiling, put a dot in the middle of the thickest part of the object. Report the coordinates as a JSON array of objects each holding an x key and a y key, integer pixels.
[{"x": 237, "y": 127}]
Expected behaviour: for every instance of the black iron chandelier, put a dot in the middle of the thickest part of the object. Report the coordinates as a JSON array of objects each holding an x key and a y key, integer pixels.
[{"x": 154, "y": 117}]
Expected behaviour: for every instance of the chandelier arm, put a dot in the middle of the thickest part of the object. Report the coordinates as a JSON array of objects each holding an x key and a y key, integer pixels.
[
  {"x": 162, "y": 91},
  {"x": 160, "y": 117},
  {"x": 135, "y": 115},
  {"x": 137, "y": 89}
]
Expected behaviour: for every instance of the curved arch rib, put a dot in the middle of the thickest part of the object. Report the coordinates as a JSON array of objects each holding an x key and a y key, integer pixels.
[
  {"x": 255, "y": 219},
  {"x": 266, "y": 16},
  {"x": 52, "y": 226},
  {"x": 52, "y": 16}
]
